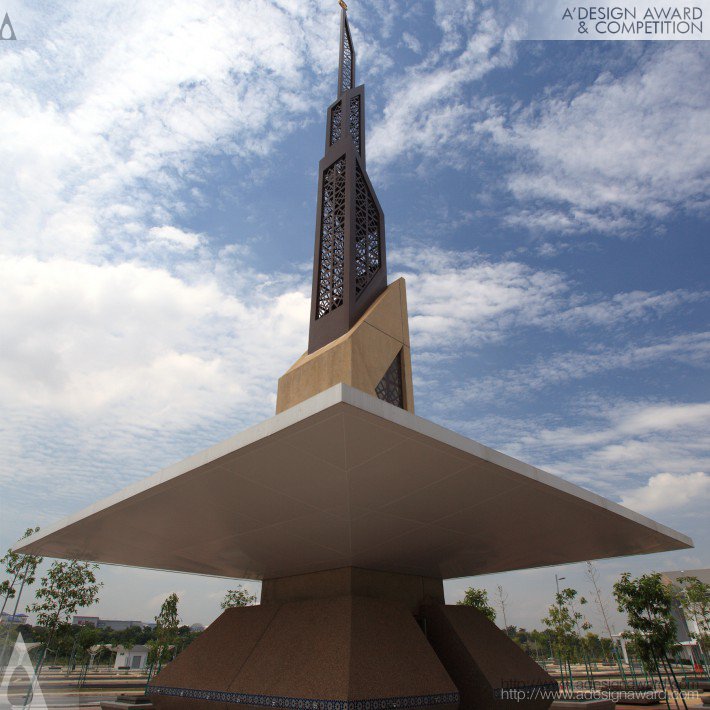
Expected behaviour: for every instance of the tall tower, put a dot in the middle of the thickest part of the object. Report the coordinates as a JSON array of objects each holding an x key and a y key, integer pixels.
[
  {"x": 358, "y": 332},
  {"x": 349, "y": 269}
]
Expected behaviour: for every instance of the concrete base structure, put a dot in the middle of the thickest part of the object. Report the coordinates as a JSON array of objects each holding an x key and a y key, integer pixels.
[{"x": 349, "y": 639}]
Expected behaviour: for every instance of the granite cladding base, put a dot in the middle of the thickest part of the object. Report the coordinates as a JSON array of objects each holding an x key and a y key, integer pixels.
[{"x": 348, "y": 639}]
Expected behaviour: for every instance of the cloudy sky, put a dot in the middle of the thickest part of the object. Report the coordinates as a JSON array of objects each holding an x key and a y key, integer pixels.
[{"x": 547, "y": 203}]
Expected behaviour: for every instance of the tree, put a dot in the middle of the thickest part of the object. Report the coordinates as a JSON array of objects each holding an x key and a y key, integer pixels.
[
  {"x": 166, "y": 631},
  {"x": 478, "y": 599},
  {"x": 593, "y": 577},
  {"x": 562, "y": 620},
  {"x": 648, "y": 604},
  {"x": 20, "y": 569},
  {"x": 501, "y": 601},
  {"x": 694, "y": 597},
  {"x": 238, "y": 597},
  {"x": 66, "y": 587},
  {"x": 86, "y": 638}
]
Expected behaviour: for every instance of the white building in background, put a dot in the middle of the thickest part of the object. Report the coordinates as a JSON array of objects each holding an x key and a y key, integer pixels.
[
  {"x": 6, "y": 618},
  {"x": 135, "y": 658},
  {"x": 115, "y": 624},
  {"x": 687, "y": 627}
]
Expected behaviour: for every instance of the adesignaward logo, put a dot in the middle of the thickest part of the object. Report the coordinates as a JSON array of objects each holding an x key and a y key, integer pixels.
[
  {"x": 620, "y": 20},
  {"x": 6, "y": 29}
]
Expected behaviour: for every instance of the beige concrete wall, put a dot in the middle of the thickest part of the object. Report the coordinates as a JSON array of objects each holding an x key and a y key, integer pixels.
[
  {"x": 408, "y": 589},
  {"x": 359, "y": 358}
]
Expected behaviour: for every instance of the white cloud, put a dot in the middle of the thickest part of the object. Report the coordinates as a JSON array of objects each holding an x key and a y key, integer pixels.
[
  {"x": 612, "y": 156},
  {"x": 425, "y": 116},
  {"x": 623, "y": 307},
  {"x": 666, "y": 417},
  {"x": 174, "y": 239},
  {"x": 411, "y": 42},
  {"x": 666, "y": 491},
  {"x": 614, "y": 445},
  {"x": 462, "y": 297},
  {"x": 624, "y": 149},
  {"x": 558, "y": 368},
  {"x": 631, "y": 420},
  {"x": 108, "y": 111},
  {"x": 140, "y": 341},
  {"x": 116, "y": 321}
]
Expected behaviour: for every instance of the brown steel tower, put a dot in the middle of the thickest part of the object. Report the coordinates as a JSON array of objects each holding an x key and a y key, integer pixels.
[{"x": 349, "y": 269}]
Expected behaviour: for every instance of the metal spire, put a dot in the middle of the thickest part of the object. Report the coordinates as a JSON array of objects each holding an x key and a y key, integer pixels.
[
  {"x": 346, "y": 69},
  {"x": 349, "y": 269}
]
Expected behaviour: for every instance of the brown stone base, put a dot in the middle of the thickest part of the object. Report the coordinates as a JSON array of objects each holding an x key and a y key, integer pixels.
[
  {"x": 489, "y": 669},
  {"x": 338, "y": 653},
  {"x": 347, "y": 640}
]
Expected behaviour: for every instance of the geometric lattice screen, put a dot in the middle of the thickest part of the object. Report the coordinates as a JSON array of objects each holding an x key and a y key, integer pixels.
[
  {"x": 331, "y": 268},
  {"x": 367, "y": 234},
  {"x": 389, "y": 387}
]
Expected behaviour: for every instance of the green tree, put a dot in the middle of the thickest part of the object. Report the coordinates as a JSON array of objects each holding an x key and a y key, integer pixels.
[
  {"x": 648, "y": 602},
  {"x": 21, "y": 570},
  {"x": 478, "y": 599},
  {"x": 86, "y": 637},
  {"x": 238, "y": 597},
  {"x": 166, "y": 631},
  {"x": 562, "y": 620},
  {"x": 694, "y": 597},
  {"x": 66, "y": 587}
]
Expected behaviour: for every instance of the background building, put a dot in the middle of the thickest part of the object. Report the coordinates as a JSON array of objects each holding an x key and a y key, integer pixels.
[
  {"x": 686, "y": 627},
  {"x": 6, "y": 618},
  {"x": 134, "y": 658},
  {"x": 115, "y": 624}
]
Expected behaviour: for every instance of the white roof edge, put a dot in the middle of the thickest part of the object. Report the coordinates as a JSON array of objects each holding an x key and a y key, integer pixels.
[
  {"x": 362, "y": 400},
  {"x": 318, "y": 403},
  {"x": 342, "y": 393}
]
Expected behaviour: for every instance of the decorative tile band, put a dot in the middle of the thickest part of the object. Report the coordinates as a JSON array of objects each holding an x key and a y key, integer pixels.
[{"x": 275, "y": 701}]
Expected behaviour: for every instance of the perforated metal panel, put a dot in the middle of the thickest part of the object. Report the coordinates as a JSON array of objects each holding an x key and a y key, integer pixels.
[{"x": 389, "y": 387}]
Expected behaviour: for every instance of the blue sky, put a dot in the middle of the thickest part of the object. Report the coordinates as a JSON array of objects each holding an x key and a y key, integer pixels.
[{"x": 547, "y": 203}]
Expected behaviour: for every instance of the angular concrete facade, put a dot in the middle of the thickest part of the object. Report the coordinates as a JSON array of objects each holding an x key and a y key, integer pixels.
[{"x": 359, "y": 358}]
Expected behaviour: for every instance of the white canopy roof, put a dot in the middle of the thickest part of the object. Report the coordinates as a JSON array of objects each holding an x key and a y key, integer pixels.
[{"x": 344, "y": 479}]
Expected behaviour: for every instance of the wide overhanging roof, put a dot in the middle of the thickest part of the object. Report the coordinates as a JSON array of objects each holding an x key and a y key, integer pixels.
[{"x": 344, "y": 479}]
